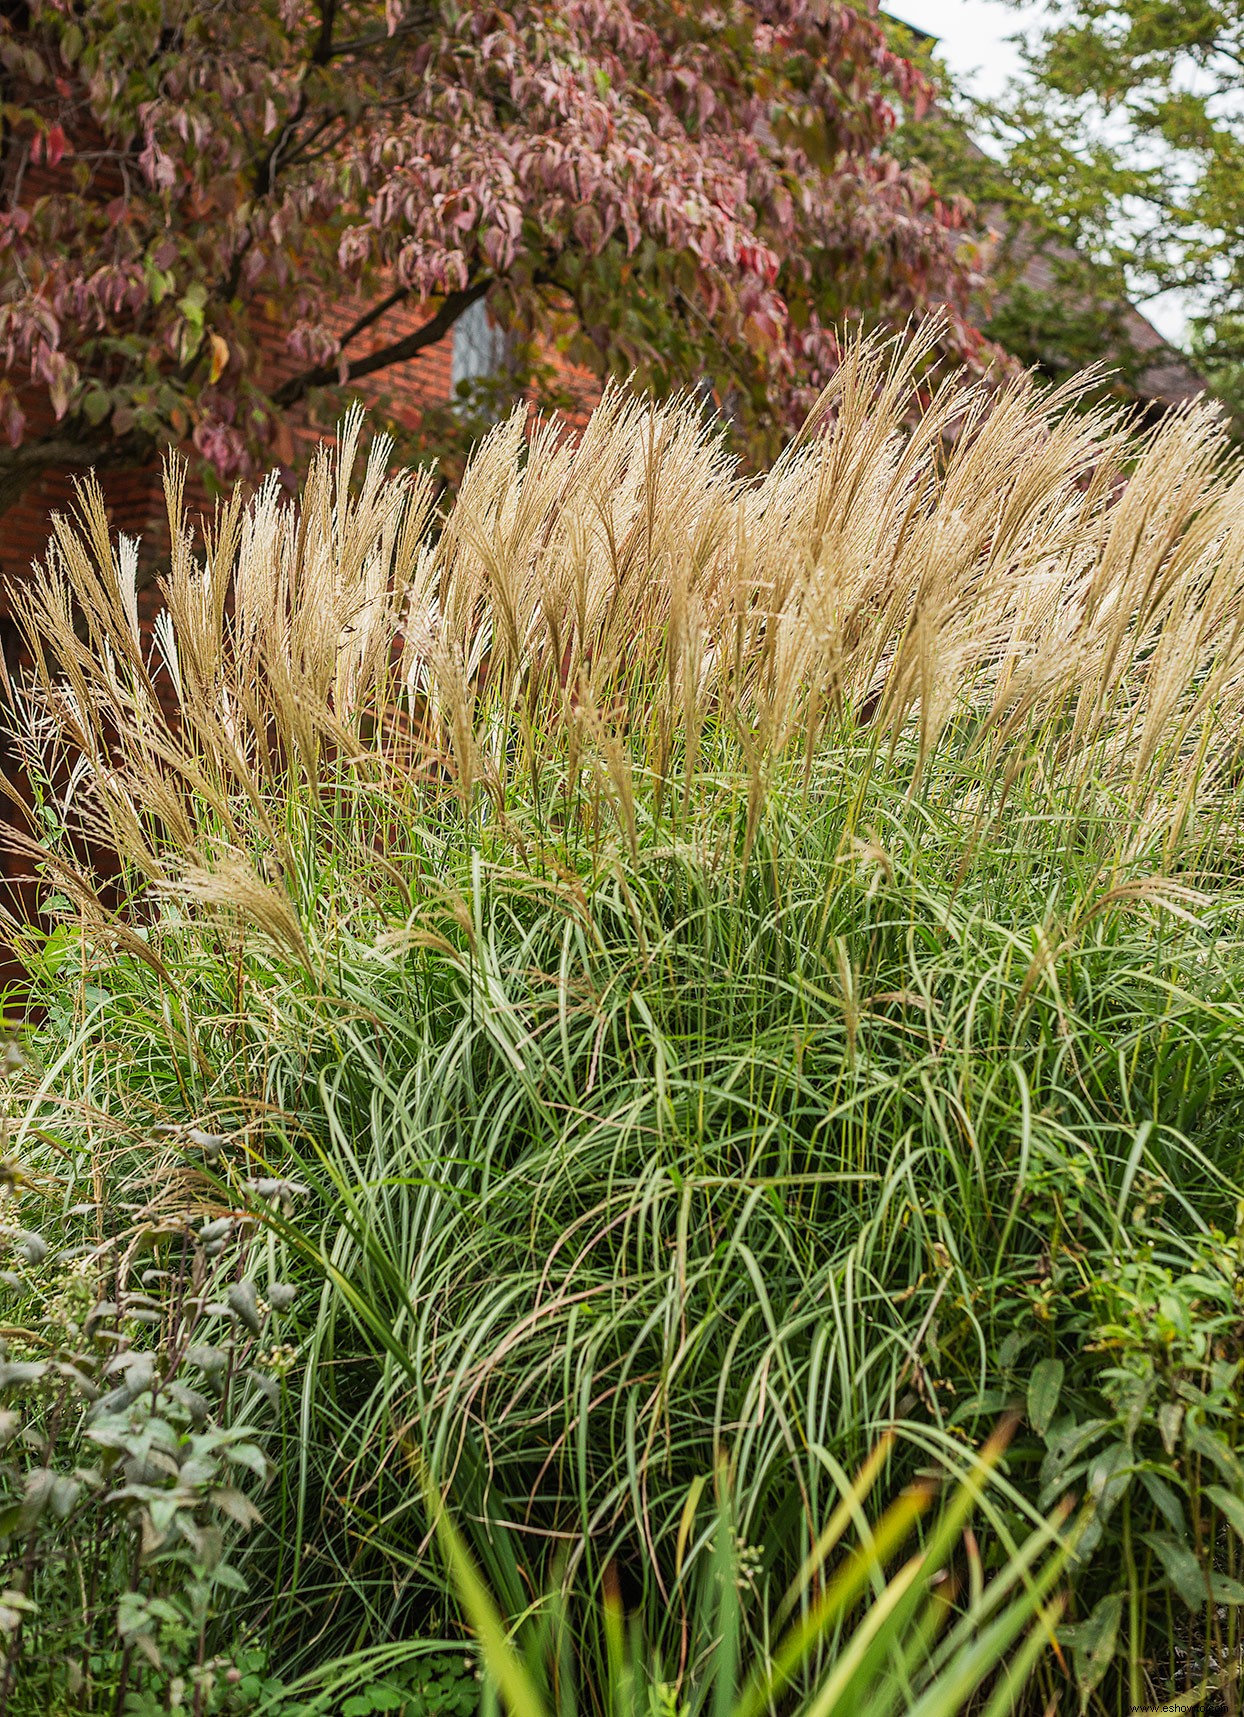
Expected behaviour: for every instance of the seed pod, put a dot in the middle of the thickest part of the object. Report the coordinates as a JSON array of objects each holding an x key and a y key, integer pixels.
[
  {"x": 284, "y": 1192},
  {"x": 210, "y": 1360},
  {"x": 33, "y": 1247},
  {"x": 244, "y": 1302},
  {"x": 211, "y": 1144}
]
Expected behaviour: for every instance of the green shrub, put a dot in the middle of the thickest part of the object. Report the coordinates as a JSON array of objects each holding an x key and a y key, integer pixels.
[{"x": 138, "y": 1369}]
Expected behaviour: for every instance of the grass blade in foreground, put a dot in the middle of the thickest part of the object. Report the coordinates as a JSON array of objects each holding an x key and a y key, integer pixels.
[{"x": 857, "y": 1674}]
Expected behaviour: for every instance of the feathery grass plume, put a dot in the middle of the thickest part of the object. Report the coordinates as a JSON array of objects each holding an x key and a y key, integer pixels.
[
  {"x": 276, "y": 650},
  {"x": 232, "y": 885}
]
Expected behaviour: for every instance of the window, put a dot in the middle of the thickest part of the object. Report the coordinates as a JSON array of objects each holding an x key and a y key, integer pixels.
[{"x": 479, "y": 346}]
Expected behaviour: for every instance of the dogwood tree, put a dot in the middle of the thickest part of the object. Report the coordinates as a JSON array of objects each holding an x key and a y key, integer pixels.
[{"x": 683, "y": 190}]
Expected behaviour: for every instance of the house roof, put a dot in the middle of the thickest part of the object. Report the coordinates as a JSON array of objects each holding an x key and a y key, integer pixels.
[
  {"x": 1163, "y": 375},
  {"x": 923, "y": 37}
]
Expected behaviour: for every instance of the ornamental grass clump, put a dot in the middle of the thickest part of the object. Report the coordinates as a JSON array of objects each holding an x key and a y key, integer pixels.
[{"x": 740, "y": 973}]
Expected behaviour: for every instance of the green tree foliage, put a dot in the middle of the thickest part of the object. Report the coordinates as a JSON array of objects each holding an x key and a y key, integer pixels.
[
  {"x": 1126, "y": 132},
  {"x": 1055, "y": 298}
]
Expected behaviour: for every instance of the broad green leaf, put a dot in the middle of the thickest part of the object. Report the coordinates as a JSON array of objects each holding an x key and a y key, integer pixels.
[
  {"x": 1214, "y": 1446},
  {"x": 1229, "y": 1505},
  {"x": 1094, "y": 1642},
  {"x": 1167, "y": 1501},
  {"x": 1109, "y": 1475},
  {"x": 1170, "y": 1418},
  {"x": 1044, "y": 1388},
  {"x": 1181, "y": 1568},
  {"x": 385, "y": 1697}
]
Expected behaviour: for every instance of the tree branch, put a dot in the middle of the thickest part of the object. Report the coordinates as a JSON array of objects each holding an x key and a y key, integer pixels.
[
  {"x": 264, "y": 176},
  {"x": 381, "y": 38},
  {"x": 435, "y": 328},
  {"x": 374, "y": 314},
  {"x": 324, "y": 45}
]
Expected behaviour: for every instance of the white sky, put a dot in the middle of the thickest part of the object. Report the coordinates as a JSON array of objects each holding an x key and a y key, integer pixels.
[
  {"x": 973, "y": 40},
  {"x": 972, "y": 35}
]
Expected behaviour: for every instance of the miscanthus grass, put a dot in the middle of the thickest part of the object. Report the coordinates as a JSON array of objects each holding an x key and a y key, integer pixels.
[{"x": 715, "y": 977}]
